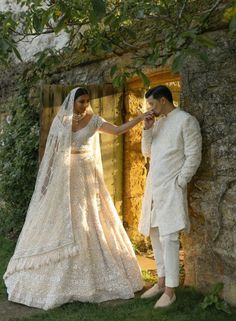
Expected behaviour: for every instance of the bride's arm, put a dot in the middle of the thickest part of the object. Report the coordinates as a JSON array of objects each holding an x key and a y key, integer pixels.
[{"x": 118, "y": 130}]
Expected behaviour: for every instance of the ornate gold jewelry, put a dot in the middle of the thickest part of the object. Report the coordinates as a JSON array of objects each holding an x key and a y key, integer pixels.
[{"x": 78, "y": 117}]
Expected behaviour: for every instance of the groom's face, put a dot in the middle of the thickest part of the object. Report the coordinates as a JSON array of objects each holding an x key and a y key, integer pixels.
[{"x": 156, "y": 105}]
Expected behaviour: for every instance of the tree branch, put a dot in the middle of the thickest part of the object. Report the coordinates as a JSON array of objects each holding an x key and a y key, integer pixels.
[
  {"x": 182, "y": 10},
  {"x": 210, "y": 11},
  {"x": 31, "y": 34}
]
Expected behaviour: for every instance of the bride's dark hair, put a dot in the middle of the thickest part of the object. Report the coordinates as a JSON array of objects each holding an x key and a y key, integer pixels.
[{"x": 80, "y": 92}]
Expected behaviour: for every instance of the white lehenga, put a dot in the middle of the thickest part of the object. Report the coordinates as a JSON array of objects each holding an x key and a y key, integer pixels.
[{"x": 101, "y": 265}]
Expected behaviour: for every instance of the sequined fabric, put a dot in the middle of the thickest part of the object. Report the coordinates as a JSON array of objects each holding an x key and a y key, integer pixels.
[{"x": 105, "y": 267}]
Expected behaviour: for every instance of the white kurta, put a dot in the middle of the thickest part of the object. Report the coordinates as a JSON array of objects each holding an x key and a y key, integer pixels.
[{"x": 174, "y": 147}]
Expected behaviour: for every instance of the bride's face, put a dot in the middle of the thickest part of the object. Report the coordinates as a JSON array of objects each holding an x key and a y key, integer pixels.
[{"x": 81, "y": 104}]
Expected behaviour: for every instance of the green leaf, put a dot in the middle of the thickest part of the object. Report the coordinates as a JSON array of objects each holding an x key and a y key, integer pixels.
[
  {"x": 99, "y": 9},
  {"x": 206, "y": 302},
  {"x": 61, "y": 24},
  {"x": 188, "y": 34},
  {"x": 131, "y": 33},
  {"x": 203, "y": 56},
  {"x": 217, "y": 287},
  {"x": 164, "y": 61},
  {"x": 113, "y": 70},
  {"x": 118, "y": 81},
  {"x": 16, "y": 52},
  {"x": 4, "y": 46},
  {"x": 144, "y": 78},
  {"x": 205, "y": 41},
  {"x": 223, "y": 306},
  {"x": 197, "y": 53},
  {"x": 37, "y": 23},
  {"x": 210, "y": 299},
  {"x": 46, "y": 15},
  {"x": 204, "y": 305},
  {"x": 178, "y": 63},
  {"x": 109, "y": 19},
  {"x": 232, "y": 25}
]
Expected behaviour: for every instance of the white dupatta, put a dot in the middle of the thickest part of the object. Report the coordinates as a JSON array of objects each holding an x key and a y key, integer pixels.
[{"x": 47, "y": 235}]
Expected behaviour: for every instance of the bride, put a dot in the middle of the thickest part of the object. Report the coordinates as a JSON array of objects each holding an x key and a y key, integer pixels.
[{"x": 73, "y": 246}]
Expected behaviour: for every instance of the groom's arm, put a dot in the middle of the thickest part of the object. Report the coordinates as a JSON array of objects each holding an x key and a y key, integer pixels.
[{"x": 192, "y": 150}]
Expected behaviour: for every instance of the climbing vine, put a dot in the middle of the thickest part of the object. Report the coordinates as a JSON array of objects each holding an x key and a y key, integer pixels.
[{"x": 19, "y": 139}]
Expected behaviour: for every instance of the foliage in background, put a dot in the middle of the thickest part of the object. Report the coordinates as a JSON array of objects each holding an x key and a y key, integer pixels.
[
  {"x": 149, "y": 276},
  {"x": 8, "y": 44},
  {"x": 6, "y": 250},
  {"x": 18, "y": 162},
  {"x": 96, "y": 28},
  {"x": 213, "y": 299}
]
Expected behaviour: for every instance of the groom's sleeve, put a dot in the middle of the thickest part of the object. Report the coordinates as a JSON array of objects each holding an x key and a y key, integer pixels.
[
  {"x": 146, "y": 142},
  {"x": 192, "y": 150}
]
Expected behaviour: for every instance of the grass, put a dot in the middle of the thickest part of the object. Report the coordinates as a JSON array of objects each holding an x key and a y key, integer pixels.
[{"x": 186, "y": 308}]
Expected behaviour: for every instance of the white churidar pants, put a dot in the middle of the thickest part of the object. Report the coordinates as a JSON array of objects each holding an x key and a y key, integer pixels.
[{"x": 166, "y": 253}]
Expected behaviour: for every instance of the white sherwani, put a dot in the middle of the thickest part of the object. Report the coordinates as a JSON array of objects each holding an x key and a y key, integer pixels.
[{"x": 174, "y": 146}]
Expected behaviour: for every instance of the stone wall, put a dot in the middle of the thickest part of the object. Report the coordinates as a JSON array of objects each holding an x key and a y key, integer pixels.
[
  {"x": 134, "y": 170},
  {"x": 209, "y": 93}
]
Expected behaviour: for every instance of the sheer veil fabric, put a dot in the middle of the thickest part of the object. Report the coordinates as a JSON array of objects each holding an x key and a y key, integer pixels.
[{"x": 47, "y": 235}]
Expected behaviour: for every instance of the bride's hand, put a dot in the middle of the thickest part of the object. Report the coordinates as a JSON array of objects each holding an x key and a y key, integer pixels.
[{"x": 149, "y": 115}]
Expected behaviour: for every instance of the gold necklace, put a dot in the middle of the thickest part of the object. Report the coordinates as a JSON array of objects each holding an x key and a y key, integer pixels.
[{"x": 78, "y": 117}]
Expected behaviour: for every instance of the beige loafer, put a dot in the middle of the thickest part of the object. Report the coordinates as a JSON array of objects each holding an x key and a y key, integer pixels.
[
  {"x": 152, "y": 292},
  {"x": 164, "y": 301}
]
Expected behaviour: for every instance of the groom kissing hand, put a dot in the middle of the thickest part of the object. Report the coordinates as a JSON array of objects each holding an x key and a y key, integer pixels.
[{"x": 173, "y": 144}]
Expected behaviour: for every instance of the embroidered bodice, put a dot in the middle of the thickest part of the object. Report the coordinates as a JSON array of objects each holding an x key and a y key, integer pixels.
[{"x": 81, "y": 140}]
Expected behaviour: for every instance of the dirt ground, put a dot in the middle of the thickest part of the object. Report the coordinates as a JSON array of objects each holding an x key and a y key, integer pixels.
[{"x": 10, "y": 310}]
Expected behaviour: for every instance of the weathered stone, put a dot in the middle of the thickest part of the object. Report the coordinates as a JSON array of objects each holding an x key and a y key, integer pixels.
[
  {"x": 134, "y": 170},
  {"x": 210, "y": 248},
  {"x": 132, "y": 210}
]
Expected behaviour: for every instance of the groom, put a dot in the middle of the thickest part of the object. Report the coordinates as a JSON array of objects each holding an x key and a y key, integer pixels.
[{"x": 173, "y": 143}]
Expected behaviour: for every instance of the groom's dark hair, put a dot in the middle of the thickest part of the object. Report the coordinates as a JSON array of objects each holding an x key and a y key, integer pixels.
[{"x": 160, "y": 91}]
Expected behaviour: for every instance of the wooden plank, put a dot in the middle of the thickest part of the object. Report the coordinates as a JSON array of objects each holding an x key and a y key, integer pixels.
[{"x": 112, "y": 146}]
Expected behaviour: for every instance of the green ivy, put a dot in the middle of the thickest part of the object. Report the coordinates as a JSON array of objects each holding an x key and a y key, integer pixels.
[{"x": 18, "y": 162}]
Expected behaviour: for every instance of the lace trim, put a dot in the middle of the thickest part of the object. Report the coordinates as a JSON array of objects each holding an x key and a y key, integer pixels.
[{"x": 35, "y": 262}]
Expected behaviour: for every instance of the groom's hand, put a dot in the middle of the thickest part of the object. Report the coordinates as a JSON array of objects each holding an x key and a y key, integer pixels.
[{"x": 149, "y": 120}]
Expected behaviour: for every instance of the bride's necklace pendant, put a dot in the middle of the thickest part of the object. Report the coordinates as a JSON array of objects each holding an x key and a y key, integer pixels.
[{"x": 78, "y": 117}]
